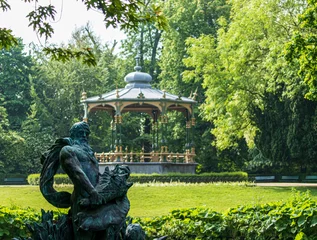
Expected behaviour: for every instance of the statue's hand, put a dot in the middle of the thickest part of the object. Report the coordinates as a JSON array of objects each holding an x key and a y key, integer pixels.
[{"x": 95, "y": 198}]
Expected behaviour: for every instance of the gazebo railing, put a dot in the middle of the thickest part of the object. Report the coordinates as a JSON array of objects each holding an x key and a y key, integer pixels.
[{"x": 141, "y": 157}]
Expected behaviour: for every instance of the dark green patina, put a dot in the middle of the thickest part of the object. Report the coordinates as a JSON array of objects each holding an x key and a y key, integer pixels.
[{"x": 99, "y": 203}]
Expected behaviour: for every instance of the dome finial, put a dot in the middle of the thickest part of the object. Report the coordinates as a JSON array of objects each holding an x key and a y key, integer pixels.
[{"x": 137, "y": 68}]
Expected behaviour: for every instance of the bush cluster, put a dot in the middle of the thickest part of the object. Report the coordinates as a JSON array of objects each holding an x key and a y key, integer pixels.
[
  {"x": 33, "y": 179},
  {"x": 13, "y": 221},
  {"x": 294, "y": 219}
]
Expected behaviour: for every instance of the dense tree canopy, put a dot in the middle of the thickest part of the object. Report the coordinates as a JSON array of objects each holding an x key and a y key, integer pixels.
[
  {"x": 252, "y": 92},
  {"x": 16, "y": 68},
  {"x": 251, "y": 65},
  {"x": 303, "y": 47}
]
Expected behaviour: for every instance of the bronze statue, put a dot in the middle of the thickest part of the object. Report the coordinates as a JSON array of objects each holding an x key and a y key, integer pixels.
[{"x": 99, "y": 204}]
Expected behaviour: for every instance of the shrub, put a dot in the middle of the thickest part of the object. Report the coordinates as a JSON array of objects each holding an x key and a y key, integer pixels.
[
  {"x": 296, "y": 218},
  {"x": 33, "y": 179},
  {"x": 13, "y": 221}
]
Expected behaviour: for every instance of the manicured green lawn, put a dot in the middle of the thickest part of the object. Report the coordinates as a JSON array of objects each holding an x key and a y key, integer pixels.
[{"x": 148, "y": 200}]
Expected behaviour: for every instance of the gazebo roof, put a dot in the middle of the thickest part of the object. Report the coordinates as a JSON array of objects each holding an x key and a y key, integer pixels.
[{"x": 138, "y": 95}]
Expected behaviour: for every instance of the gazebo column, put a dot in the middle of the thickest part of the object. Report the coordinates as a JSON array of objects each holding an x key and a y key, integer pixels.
[
  {"x": 164, "y": 148},
  {"x": 83, "y": 98},
  {"x": 193, "y": 122},
  {"x": 154, "y": 136},
  {"x": 188, "y": 137},
  {"x": 113, "y": 134},
  {"x": 155, "y": 131},
  {"x": 118, "y": 139}
]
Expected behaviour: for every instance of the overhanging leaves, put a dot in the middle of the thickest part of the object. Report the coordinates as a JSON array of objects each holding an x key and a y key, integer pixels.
[
  {"x": 65, "y": 54},
  {"x": 38, "y": 20},
  {"x": 7, "y": 39}
]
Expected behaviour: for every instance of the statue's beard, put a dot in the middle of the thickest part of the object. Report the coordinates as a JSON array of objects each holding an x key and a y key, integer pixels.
[{"x": 84, "y": 145}]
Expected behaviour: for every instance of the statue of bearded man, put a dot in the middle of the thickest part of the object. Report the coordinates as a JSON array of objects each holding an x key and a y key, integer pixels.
[{"x": 99, "y": 204}]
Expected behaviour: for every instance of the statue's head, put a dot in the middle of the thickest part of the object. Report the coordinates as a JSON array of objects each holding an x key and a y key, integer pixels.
[{"x": 80, "y": 130}]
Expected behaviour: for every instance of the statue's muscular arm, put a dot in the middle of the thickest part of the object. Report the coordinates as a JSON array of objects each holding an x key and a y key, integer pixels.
[{"x": 73, "y": 168}]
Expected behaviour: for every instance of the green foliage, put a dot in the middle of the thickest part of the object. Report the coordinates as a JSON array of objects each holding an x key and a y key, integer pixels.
[
  {"x": 16, "y": 68},
  {"x": 13, "y": 221},
  {"x": 184, "y": 17},
  {"x": 190, "y": 178},
  {"x": 4, "y": 5},
  {"x": 59, "y": 179},
  {"x": 301, "y": 50},
  {"x": 10, "y": 143},
  {"x": 287, "y": 132},
  {"x": 282, "y": 220},
  {"x": 116, "y": 13},
  {"x": 194, "y": 223},
  {"x": 59, "y": 86},
  {"x": 253, "y": 95},
  {"x": 21, "y": 148},
  {"x": 295, "y": 218},
  {"x": 36, "y": 141},
  {"x": 66, "y": 54},
  {"x": 148, "y": 38},
  {"x": 38, "y": 19},
  {"x": 7, "y": 39},
  {"x": 33, "y": 179}
]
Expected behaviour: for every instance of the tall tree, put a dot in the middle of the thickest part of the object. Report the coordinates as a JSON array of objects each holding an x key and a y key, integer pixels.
[
  {"x": 10, "y": 145},
  {"x": 16, "y": 67},
  {"x": 190, "y": 19},
  {"x": 302, "y": 49},
  {"x": 186, "y": 19},
  {"x": 252, "y": 92},
  {"x": 145, "y": 41}
]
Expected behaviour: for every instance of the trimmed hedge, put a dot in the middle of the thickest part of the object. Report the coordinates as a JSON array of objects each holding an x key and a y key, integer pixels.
[
  {"x": 34, "y": 179},
  {"x": 190, "y": 178}
]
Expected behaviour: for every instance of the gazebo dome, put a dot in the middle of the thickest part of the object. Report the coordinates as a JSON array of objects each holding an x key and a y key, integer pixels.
[{"x": 138, "y": 79}]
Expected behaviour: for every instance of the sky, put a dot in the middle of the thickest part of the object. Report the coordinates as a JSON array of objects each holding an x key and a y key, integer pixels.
[{"x": 70, "y": 14}]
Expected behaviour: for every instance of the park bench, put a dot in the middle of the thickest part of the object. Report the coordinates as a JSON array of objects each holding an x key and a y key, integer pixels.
[
  {"x": 310, "y": 178},
  {"x": 264, "y": 178},
  {"x": 15, "y": 181},
  {"x": 289, "y": 178}
]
